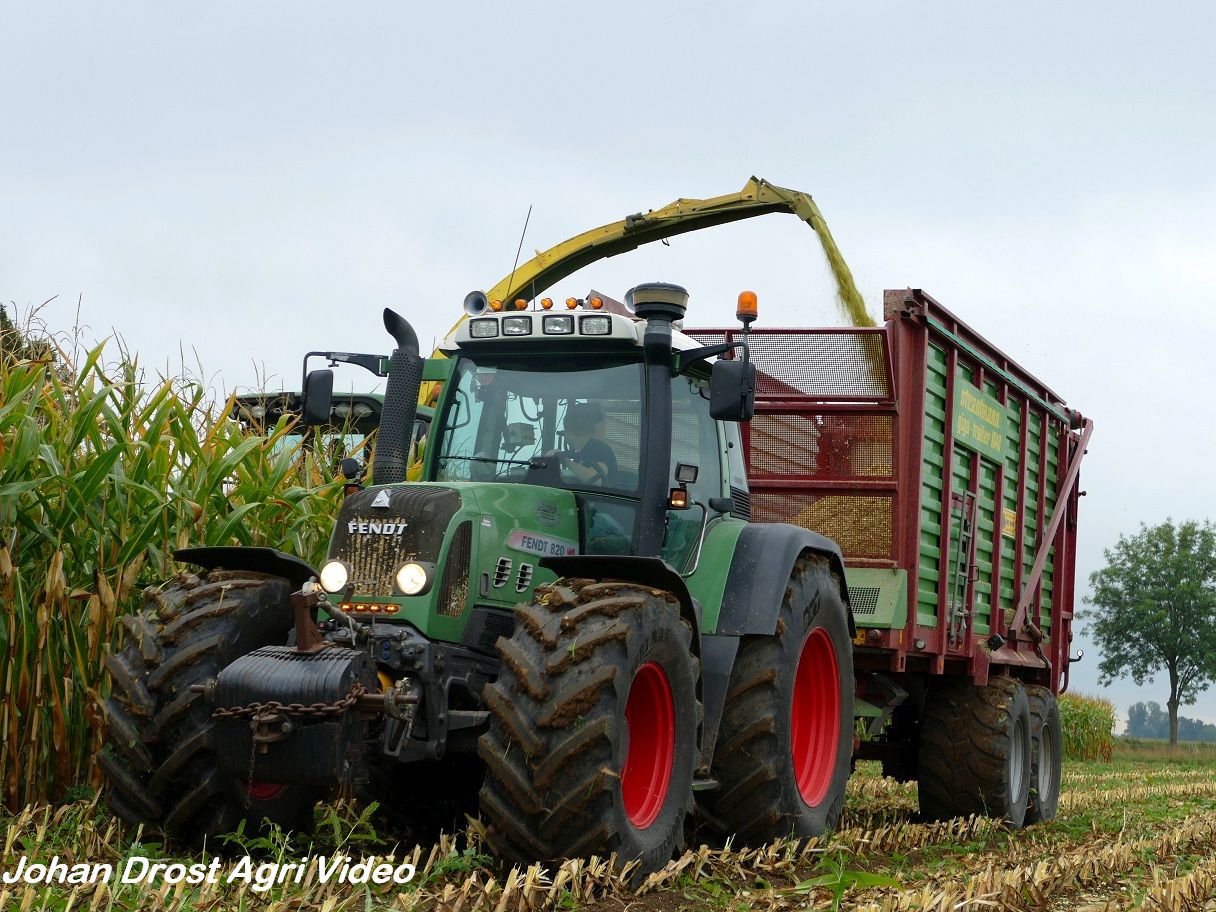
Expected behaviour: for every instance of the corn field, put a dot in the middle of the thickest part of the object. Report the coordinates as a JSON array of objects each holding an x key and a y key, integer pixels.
[
  {"x": 102, "y": 475},
  {"x": 1088, "y": 724}
]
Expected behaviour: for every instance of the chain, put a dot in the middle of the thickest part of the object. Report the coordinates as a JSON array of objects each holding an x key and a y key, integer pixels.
[
  {"x": 316, "y": 710},
  {"x": 262, "y": 713}
]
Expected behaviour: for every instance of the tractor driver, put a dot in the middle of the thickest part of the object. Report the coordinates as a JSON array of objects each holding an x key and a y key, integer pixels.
[{"x": 585, "y": 458}]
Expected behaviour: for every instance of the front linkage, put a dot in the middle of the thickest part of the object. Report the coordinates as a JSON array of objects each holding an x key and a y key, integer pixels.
[{"x": 326, "y": 696}]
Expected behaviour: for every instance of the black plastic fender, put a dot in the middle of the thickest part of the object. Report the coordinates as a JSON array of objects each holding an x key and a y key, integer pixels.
[
  {"x": 236, "y": 557},
  {"x": 764, "y": 556},
  {"x": 646, "y": 571}
]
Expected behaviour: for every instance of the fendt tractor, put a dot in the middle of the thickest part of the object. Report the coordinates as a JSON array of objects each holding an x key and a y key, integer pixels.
[{"x": 649, "y": 578}]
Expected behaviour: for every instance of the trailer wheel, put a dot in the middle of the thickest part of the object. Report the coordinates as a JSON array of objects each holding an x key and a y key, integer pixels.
[
  {"x": 1046, "y": 754},
  {"x": 786, "y": 737},
  {"x": 975, "y": 751},
  {"x": 157, "y": 756},
  {"x": 593, "y": 729}
]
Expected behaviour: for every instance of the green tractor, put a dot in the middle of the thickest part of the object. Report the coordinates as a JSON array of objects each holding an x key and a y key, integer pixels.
[
  {"x": 344, "y": 435},
  {"x": 572, "y": 595},
  {"x": 553, "y": 608}
]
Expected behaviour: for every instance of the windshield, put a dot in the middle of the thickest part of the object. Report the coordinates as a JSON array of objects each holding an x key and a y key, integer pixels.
[{"x": 539, "y": 421}]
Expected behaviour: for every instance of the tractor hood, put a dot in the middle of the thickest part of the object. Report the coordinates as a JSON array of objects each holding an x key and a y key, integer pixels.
[{"x": 478, "y": 542}]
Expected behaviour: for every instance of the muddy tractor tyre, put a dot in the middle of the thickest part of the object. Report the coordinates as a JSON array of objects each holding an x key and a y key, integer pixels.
[
  {"x": 975, "y": 752},
  {"x": 157, "y": 756},
  {"x": 593, "y": 730},
  {"x": 785, "y": 744},
  {"x": 1046, "y": 754}
]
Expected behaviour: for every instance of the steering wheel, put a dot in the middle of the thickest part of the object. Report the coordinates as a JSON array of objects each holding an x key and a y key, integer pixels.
[{"x": 599, "y": 478}]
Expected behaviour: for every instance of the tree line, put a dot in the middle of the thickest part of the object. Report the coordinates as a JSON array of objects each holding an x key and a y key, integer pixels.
[{"x": 1149, "y": 720}]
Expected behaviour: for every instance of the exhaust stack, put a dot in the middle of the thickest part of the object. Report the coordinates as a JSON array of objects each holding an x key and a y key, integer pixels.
[{"x": 400, "y": 402}]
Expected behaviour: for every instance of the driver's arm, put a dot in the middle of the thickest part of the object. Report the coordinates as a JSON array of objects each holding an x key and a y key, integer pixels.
[{"x": 583, "y": 470}]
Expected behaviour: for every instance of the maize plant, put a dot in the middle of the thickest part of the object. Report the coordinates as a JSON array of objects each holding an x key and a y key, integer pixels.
[
  {"x": 1088, "y": 724},
  {"x": 102, "y": 475}
]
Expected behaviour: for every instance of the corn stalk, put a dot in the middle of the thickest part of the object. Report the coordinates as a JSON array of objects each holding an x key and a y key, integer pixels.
[{"x": 101, "y": 477}]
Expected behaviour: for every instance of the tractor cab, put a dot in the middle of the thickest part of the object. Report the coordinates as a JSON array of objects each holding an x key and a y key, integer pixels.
[{"x": 560, "y": 400}]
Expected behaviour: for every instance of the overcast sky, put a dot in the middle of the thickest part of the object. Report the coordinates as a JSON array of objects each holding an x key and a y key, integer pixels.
[{"x": 243, "y": 182}]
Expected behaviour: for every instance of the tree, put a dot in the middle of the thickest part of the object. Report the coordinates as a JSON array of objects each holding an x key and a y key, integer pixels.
[
  {"x": 1137, "y": 720},
  {"x": 1156, "y": 610},
  {"x": 1149, "y": 720}
]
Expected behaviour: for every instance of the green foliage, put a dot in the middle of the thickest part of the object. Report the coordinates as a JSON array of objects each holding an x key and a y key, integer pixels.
[
  {"x": 1156, "y": 609},
  {"x": 1087, "y": 725},
  {"x": 839, "y": 879},
  {"x": 1149, "y": 720},
  {"x": 102, "y": 476}
]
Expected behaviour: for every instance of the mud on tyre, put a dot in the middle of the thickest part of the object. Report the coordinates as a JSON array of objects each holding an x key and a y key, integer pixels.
[
  {"x": 786, "y": 737},
  {"x": 594, "y": 727},
  {"x": 975, "y": 751},
  {"x": 158, "y": 757}
]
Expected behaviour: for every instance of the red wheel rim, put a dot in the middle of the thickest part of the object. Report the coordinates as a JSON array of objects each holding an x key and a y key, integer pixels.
[
  {"x": 650, "y": 718},
  {"x": 815, "y": 717},
  {"x": 264, "y": 791}
]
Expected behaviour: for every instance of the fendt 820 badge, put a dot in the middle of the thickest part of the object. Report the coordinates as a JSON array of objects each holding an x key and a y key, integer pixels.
[{"x": 630, "y": 575}]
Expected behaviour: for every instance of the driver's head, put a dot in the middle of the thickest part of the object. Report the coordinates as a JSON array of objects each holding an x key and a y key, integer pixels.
[{"x": 579, "y": 423}]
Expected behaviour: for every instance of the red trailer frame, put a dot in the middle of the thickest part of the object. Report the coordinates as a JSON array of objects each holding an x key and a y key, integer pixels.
[{"x": 844, "y": 441}]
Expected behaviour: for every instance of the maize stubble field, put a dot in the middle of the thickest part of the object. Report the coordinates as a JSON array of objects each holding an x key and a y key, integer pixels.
[{"x": 1138, "y": 832}]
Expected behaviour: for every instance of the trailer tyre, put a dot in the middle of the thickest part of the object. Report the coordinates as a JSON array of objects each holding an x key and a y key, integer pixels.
[
  {"x": 593, "y": 729},
  {"x": 975, "y": 752},
  {"x": 157, "y": 756},
  {"x": 1046, "y": 754},
  {"x": 786, "y": 737}
]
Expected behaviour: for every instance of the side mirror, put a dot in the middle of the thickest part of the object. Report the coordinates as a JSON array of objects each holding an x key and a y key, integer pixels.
[
  {"x": 732, "y": 390},
  {"x": 318, "y": 397},
  {"x": 352, "y": 470}
]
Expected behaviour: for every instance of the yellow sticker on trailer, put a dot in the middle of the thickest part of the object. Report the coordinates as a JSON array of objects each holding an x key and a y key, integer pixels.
[{"x": 1009, "y": 523}]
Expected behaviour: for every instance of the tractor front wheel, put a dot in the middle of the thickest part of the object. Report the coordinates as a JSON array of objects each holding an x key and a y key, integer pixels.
[
  {"x": 593, "y": 730},
  {"x": 786, "y": 738},
  {"x": 158, "y": 759}
]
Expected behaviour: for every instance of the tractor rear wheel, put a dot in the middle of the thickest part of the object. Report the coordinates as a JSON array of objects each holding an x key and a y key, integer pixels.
[
  {"x": 157, "y": 756},
  {"x": 1045, "y": 754},
  {"x": 593, "y": 730},
  {"x": 975, "y": 751},
  {"x": 786, "y": 738}
]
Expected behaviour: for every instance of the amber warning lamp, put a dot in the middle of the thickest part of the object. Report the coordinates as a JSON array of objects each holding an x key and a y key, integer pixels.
[{"x": 747, "y": 309}]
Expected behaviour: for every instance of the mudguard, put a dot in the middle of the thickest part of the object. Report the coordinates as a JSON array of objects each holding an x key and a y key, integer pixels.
[
  {"x": 646, "y": 571},
  {"x": 764, "y": 556},
  {"x": 261, "y": 560}
]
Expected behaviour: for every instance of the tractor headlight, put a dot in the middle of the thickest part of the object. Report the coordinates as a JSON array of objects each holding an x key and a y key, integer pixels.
[
  {"x": 334, "y": 576},
  {"x": 483, "y": 329},
  {"x": 595, "y": 326},
  {"x": 558, "y": 325},
  {"x": 517, "y": 326},
  {"x": 411, "y": 579}
]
